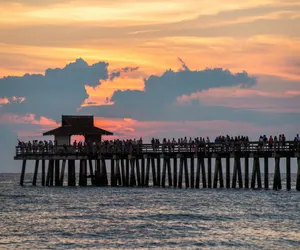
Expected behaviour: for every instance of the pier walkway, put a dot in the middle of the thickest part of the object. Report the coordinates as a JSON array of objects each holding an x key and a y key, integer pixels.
[
  {"x": 134, "y": 163},
  {"x": 188, "y": 165}
]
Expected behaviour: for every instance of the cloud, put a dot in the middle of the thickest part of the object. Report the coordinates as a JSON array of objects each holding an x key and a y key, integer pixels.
[
  {"x": 58, "y": 91},
  {"x": 101, "y": 94},
  {"x": 160, "y": 93},
  {"x": 4, "y": 100},
  {"x": 247, "y": 99},
  {"x": 117, "y": 73},
  {"x": 183, "y": 65}
]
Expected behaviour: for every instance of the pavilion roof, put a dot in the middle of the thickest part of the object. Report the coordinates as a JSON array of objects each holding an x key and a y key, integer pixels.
[{"x": 77, "y": 125}]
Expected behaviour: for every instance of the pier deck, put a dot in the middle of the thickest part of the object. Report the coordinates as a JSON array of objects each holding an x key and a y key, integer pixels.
[{"x": 146, "y": 164}]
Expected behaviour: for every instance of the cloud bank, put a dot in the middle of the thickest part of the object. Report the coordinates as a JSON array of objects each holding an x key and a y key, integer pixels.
[{"x": 174, "y": 103}]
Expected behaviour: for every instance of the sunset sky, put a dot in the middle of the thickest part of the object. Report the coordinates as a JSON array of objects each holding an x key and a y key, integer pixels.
[{"x": 159, "y": 68}]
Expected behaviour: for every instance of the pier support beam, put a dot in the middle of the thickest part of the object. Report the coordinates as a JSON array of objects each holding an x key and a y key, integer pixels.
[
  {"x": 138, "y": 172},
  {"x": 204, "y": 183},
  {"x": 92, "y": 175},
  {"x": 288, "y": 173},
  {"x": 103, "y": 173},
  {"x": 118, "y": 173},
  {"x": 166, "y": 167},
  {"x": 218, "y": 173},
  {"x": 57, "y": 172},
  {"x": 83, "y": 173},
  {"x": 153, "y": 172},
  {"x": 99, "y": 181},
  {"x": 277, "y": 177},
  {"x": 158, "y": 181},
  {"x": 186, "y": 173},
  {"x": 237, "y": 172},
  {"x": 36, "y": 169},
  {"x": 209, "y": 171},
  {"x": 180, "y": 173},
  {"x": 227, "y": 172},
  {"x": 127, "y": 172},
  {"x": 148, "y": 163},
  {"x": 266, "y": 172},
  {"x": 23, "y": 173},
  {"x": 123, "y": 174},
  {"x": 169, "y": 172},
  {"x": 256, "y": 173},
  {"x": 164, "y": 172},
  {"x": 246, "y": 172},
  {"x": 143, "y": 172},
  {"x": 192, "y": 174},
  {"x": 43, "y": 172},
  {"x": 132, "y": 173},
  {"x": 62, "y": 172},
  {"x": 175, "y": 172},
  {"x": 71, "y": 173},
  {"x": 198, "y": 169},
  {"x": 50, "y": 173},
  {"x": 298, "y": 175},
  {"x": 112, "y": 172}
]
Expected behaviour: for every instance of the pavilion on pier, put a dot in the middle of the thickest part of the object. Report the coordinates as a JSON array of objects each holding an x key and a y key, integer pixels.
[{"x": 77, "y": 125}]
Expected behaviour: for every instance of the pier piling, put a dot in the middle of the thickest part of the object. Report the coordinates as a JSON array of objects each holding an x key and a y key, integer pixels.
[
  {"x": 192, "y": 168},
  {"x": 43, "y": 172},
  {"x": 23, "y": 173},
  {"x": 175, "y": 171},
  {"x": 209, "y": 171},
  {"x": 288, "y": 173},
  {"x": 62, "y": 172},
  {"x": 138, "y": 172},
  {"x": 158, "y": 172},
  {"x": 57, "y": 173},
  {"x": 132, "y": 182},
  {"x": 237, "y": 172},
  {"x": 218, "y": 176},
  {"x": 143, "y": 172},
  {"x": 256, "y": 173},
  {"x": 298, "y": 175},
  {"x": 82, "y": 173},
  {"x": 266, "y": 172},
  {"x": 227, "y": 172},
  {"x": 71, "y": 173},
  {"x": 36, "y": 168},
  {"x": 277, "y": 177},
  {"x": 246, "y": 172},
  {"x": 148, "y": 166}
]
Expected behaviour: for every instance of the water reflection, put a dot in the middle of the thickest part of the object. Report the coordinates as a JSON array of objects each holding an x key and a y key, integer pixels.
[{"x": 94, "y": 218}]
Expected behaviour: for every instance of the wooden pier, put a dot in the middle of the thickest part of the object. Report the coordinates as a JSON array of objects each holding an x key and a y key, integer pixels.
[{"x": 143, "y": 165}]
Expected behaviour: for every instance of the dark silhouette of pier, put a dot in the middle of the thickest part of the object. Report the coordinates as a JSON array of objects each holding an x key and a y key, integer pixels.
[{"x": 162, "y": 165}]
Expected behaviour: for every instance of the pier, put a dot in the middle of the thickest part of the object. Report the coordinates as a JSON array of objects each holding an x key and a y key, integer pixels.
[{"x": 144, "y": 165}]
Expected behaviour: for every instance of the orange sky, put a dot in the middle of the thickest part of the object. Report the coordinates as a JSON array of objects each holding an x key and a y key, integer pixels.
[
  {"x": 259, "y": 36},
  {"x": 233, "y": 34}
]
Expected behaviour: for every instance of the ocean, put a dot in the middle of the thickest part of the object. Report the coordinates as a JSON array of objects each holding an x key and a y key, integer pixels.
[{"x": 141, "y": 218}]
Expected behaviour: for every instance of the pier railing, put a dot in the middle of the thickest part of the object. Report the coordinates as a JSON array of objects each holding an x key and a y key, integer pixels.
[{"x": 220, "y": 147}]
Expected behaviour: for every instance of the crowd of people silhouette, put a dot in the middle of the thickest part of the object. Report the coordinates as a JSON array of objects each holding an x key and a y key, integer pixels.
[{"x": 223, "y": 143}]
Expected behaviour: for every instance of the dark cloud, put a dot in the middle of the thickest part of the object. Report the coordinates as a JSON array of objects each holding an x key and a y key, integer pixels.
[
  {"x": 183, "y": 65},
  {"x": 158, "y": 100},
  {"x": 57, "y": 91},
  {"x": 117, "y": 73}
]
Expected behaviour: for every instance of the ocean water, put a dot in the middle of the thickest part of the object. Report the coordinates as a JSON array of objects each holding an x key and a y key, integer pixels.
[{"x": 142, "y": 218}]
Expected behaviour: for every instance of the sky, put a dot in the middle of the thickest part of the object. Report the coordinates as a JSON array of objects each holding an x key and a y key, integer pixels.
[{"x": 159, "y": 68}]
